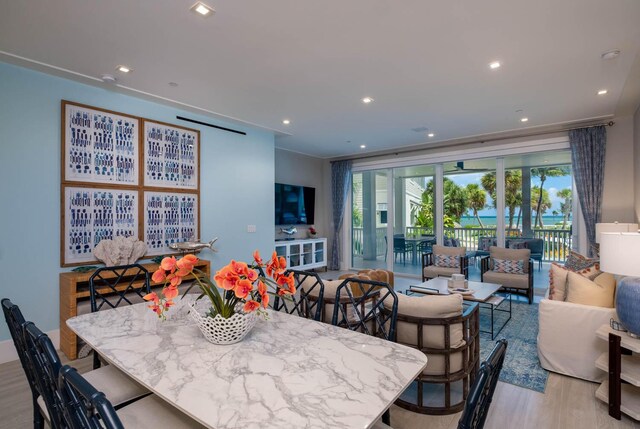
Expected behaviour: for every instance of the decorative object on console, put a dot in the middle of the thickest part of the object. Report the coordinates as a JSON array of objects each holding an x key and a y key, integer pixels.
[
  {"x": 85, "y": 269},
  {"x": 193, "y": 246},
  {"x": 620, "y": 254},
  {"x": 120, "y": 251},
  {"x": 231, "y": 313},
  {"x": 312, "y": 232},
  {"x": 289, "y": 231}
]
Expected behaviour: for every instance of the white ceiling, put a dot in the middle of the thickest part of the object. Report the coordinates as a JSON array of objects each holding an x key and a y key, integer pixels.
[{"x": 424, "y": 62}]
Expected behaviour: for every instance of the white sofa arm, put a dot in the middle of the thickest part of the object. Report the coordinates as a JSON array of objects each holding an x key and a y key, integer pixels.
[{"x": 567, "y": 341}]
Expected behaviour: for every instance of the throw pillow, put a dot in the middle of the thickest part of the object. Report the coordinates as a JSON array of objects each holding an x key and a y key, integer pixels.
[
  {"x": 598, "y": 293},
  {"x": 508, "y": 266},
  {"x": 518, "y": 245},
  {"x": 486, "y": 242},
  {"x": 447, "y": 261},
  {"x": 588, "y": 267},
  {"x": 558, "y": 282}
]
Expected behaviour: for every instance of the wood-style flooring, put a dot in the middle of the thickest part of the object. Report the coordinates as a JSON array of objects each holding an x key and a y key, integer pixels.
[{"x": 568, "y": 403}]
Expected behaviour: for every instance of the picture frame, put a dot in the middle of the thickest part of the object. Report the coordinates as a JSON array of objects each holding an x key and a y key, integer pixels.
[
  {"x": 171, "y": 156},
  {"x": 169, "y": 217},
  {"x": 99, "y": 146},
  {"x": 92, "y": 214}
]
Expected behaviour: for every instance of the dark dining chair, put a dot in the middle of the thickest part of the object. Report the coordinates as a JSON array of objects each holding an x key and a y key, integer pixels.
[
  {"x": 400, "y": 248},
  {"x": 15, "y": 322},
  {"x": 84, "y": 406},
  {"x": 481, "y": 392},
  {"x": 308, "y": 300},
  {"x": 110, "y": 287}
]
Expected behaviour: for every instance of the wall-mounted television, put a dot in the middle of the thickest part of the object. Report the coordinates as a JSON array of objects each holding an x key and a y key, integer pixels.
[{"x": 295, "y": 205}]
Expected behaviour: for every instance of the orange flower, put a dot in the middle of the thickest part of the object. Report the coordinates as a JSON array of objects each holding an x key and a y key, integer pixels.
[
  {"x": 174, "y": 279},
  {"x": 159, "y": 276},
  {"x": 257, "y": 258},
  {"x": 239, "y": 268},
  {"x": 156, "y": 308},
  {"x": 170, "y": 292},
  {"x": 264, "y": 298},
  {"x": 186, "y": 264},
  {"x": 252, "y": 276},
  {"x": 168, "y": 263},
  {"x": 226, "y": 278},
  {"x": 243, "y": 288},
  {"x": 262, "y": 288},
  {"x": 251, "y": 306},
  {"x": 276, "y": 265},
  {"x": 168, "y": 303},
  {"x": 151, "y": 297}
]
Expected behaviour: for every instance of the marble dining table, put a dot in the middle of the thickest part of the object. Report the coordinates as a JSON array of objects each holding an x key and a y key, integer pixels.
[{"x": 288, "y": 372}]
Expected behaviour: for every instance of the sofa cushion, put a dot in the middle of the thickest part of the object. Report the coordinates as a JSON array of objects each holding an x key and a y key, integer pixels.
[
  {"x": 588, "y": 267},
  {"x": 508, "y": 266},
  {"x": 518, "y": 244},
  {"x": 599, "y": 292},
  {"x": 436, "y": 307},
  {"x": 511, "y": 254},
  {"x": 558, "y": 282},
  {"x": 484, "y": 243},
  {"x": 432, "y": 271},
  {"x": 449, "y": 251},
  {"x": 517, "y": 281},
  {"x": 446, "y": 261}
]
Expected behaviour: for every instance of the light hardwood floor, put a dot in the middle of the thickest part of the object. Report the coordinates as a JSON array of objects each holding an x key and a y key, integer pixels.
[{"x": 568, "y": 403}]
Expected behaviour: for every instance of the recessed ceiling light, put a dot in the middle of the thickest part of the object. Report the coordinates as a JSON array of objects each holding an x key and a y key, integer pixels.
[
  {"x": 602, "y": 92},
  {"x": 286, "y": 121},
  {"x": 124, "y": 69},
  {"x": 609, "y": 55},
  {"x": 431, "y": 135},
  {"x": 362, "y": 146},
  {"x": 367, "y": 100},
  {"x": 494, "y": 65},
  {"x": 524, "y": 119},
  {"x": 202, "y": 9},
  {"x": 108, "y": 78}
]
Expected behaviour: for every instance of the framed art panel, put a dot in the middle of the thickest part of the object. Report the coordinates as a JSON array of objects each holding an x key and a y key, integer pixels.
[
  {"x": 171, "y": 156},
  {"x": 99, "y": 146},
  {"x": 93, "y": 214},
  {"x": 169, "y": 217}
]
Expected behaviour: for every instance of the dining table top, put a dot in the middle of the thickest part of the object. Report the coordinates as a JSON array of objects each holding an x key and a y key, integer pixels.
[{"x": 287, "y": 372}]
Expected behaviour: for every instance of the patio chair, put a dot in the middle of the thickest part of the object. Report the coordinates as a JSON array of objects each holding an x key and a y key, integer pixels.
[
  {"x": 448, "y": 334},
  {"x": 511, "y": 268},
  {"x": 444, "y": 261},
  {"x": 400, "y": 247}
]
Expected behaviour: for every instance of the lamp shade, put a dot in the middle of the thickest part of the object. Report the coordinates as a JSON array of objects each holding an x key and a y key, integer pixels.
[
  {"x": 614, "y": 227},
  {"x": 620, "y": 253}
]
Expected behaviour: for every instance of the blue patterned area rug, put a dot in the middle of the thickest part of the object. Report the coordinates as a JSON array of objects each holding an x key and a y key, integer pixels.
[{"x": 521, "y": 364}]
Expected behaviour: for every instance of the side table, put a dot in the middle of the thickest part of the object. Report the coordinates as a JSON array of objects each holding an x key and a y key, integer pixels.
[{"x": 621, "y": 390}]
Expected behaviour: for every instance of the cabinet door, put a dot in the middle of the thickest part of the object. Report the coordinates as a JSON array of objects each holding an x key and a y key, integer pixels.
[
  {"x": 320, "y": 253},
  {"x": 295, "y": 255}
]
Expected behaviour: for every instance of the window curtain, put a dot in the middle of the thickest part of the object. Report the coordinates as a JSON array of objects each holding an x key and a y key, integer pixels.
[
  {"x": 587, "y": 155},
  {"x": 340, "y": 185}
]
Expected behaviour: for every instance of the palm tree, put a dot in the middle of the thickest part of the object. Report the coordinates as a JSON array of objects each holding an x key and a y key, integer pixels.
[
  {"x": 455, "y": 198},
  {"x": 566, "y": 206},
  {"x": 543, "y": 173},
  {"x": 544, "y": 203},
  {"x": 477, "y": 199},
  {"x": 512, "y": 190}
]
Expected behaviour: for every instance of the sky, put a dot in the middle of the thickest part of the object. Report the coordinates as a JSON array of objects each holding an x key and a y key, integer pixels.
[{"x": 552, "y": 185}]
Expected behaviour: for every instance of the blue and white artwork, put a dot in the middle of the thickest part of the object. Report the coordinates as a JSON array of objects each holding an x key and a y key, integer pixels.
[
  {"x": 169, "y": 218},
  {"x": 100, "y": 147},
  {"x": 170, "y": 156},
  {"x": 92, "y": 215}
]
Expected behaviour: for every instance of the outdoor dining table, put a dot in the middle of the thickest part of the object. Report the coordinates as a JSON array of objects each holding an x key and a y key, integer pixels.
[{"x": 288, "y": 372}]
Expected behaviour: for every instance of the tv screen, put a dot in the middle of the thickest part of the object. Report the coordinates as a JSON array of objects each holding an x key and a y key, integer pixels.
[{"x": 294, "y": 204}]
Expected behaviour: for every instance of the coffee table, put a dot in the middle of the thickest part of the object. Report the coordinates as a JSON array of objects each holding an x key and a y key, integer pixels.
[{"x": 485, "y": 295}]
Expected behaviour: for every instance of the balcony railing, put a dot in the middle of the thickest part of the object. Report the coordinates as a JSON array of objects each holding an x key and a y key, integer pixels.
[{"x": 557, "y": 242}]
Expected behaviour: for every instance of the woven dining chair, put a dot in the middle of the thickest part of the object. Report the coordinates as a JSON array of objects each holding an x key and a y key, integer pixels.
[
  {"x": 110, "y": 287},
  {"x": 308, "y": 300}
]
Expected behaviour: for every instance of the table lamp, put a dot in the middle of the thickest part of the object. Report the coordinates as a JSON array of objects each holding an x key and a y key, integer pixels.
[
  {"x": 614, "y": 227},
  {"x": 620, "y": 254}
]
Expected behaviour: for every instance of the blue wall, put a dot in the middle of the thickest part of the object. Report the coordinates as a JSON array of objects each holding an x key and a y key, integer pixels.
[{"x": 237, "y": 179}]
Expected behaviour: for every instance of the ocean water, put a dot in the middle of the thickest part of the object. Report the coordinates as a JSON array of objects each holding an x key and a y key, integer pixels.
[{"x": 492, "y": 220}]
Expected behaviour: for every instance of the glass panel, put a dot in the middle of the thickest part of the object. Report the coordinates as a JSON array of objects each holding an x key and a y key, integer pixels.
[
  {"x": 470, "y": 205},
  {"x": 545, "y": 202},
  {"x": 414, "y": 220},
  {"x": 369, "y": 219},
  {"x": 294, "y": 256},
  {"x": 307, "y": 253},
  {"x": 319, "y": 249}
]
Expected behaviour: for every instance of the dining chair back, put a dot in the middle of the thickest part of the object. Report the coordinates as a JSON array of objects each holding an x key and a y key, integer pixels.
[
  {"x": 308, "y": 300},
  {"x": 360, "y": 306},
  {"x": 15, "y": 322},
  {"x": 84, "y": 406},
  {"x": 46, "y": 363},
  {"x": 483, "y": 388},
  {"x": 109, "y": 287},
  {"x": 112, "y": 286}
]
